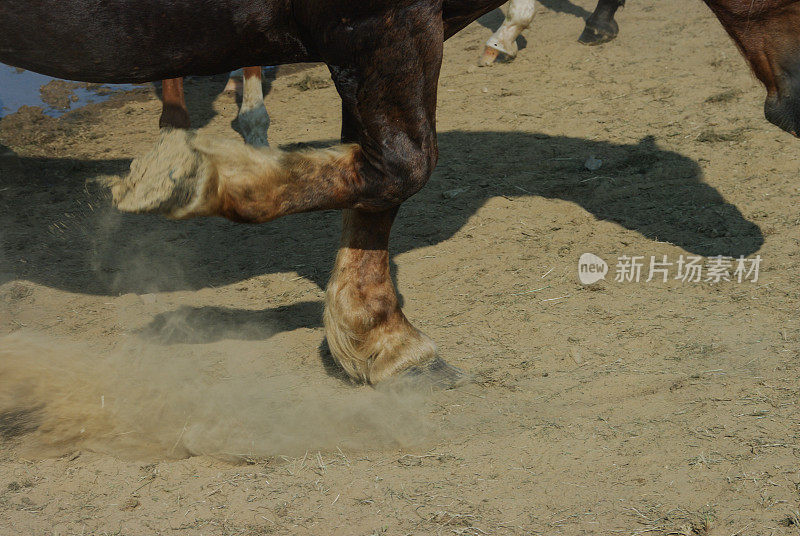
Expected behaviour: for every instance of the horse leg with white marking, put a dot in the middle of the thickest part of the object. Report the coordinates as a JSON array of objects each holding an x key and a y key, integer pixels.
[
  {"x": 366, "y": 329},
  {"x": 253, "y": 117},
  {"x": 504, "y": 41}
]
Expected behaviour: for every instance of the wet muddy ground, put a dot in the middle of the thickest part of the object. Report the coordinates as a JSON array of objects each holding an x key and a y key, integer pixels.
[{"x": 25, "y": 88}]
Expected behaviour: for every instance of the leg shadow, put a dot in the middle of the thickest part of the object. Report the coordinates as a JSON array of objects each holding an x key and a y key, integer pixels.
[
  {"x": 201, "y": 325},
  {"x": 59, "y": 229}
]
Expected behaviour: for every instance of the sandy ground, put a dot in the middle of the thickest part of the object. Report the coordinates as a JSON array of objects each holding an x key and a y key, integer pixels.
[{"x": 171, "y": 377}]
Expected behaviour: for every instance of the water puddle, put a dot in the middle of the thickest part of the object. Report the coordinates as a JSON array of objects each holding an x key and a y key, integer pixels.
[{"x": 56, "y": 97}]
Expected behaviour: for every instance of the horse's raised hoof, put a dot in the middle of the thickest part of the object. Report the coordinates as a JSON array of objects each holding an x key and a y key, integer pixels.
[
  {"x": 596, "y": 35},
  {"x": 171, "y": 179},
  {"x": 488, "y": 57},
  {"x": 432, "y": 376}
]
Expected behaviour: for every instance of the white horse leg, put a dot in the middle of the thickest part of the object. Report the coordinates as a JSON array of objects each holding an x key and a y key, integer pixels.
[
  {"x": 253, "y": 116},
  {"x": 504, "y": 40}
]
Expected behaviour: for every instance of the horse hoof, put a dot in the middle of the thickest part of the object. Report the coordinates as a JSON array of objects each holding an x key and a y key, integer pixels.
[
  {"x": 488, "y": 57},
  {"x": 167, "y": 180},
  {"x": 596, "y": 36},
  {"x": 435, "y": 375},
  {"x": 256, "y": 139},
  {"x": 253, "y": 125}
]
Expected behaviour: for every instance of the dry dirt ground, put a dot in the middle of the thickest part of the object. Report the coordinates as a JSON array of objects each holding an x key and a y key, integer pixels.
[{"x": 171, "y": 377}]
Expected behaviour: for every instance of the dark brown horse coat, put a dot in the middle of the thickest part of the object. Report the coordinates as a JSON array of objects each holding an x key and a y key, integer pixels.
[
  {"x": 118, "y": 41},
  {"x": 384, "y": 57},
  {"x": 146, "y": 40}
]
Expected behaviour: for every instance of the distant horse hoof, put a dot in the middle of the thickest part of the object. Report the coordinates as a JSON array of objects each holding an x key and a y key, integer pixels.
[
  {"x": 494, "y": 52},
  {"x": 598, "y": 34},
  {"x": 434, "y": 375},
  {"x": 488, "y": 57}
]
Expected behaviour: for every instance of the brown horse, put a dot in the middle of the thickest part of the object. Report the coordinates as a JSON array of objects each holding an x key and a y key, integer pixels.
[
  {"x": 253, "y": 118},
  {"x": 767, "y": 32},
  {"x": 384, "y": 57}
]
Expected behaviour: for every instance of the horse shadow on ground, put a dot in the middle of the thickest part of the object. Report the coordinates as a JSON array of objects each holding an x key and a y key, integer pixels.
[
  {"x": 59, "y": 229},
  {"x": 566, "y": 7}
]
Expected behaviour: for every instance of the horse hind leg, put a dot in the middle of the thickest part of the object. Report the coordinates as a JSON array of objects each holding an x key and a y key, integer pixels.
[
  {"x": 253, "y": 117},
  {"x": 504, "y": 40},
  {"x": 173, "y": 110},
  {"x": 601, "y": 26}
]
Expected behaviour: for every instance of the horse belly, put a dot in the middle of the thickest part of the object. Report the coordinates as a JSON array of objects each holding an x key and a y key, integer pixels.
[{"x": 119, "y": 41}]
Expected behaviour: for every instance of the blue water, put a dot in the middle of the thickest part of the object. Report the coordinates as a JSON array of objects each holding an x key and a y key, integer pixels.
[{"x": 22, "y": 89}]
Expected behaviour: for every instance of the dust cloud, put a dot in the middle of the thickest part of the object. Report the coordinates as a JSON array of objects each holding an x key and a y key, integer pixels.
[
  {"x": 197, "y": 380},
  {"x": 143, "y": 400}
]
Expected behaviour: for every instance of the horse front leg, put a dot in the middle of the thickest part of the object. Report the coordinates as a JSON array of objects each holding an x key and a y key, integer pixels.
[
  {"x": 601, "y": 26},
  {"x": 388, "y": 88},
  {"x": 504, "y": 41},
  {"x": 366, "y": 330},
  {"x": 173, "y": 109}
]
